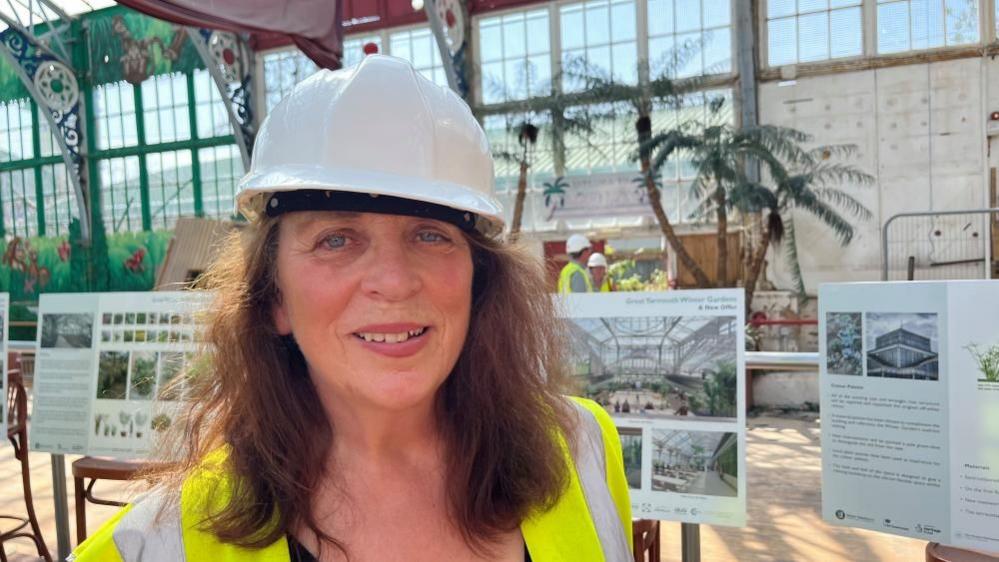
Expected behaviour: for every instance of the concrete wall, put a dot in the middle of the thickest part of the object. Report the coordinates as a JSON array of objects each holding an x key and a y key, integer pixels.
[
  {"x": 920, "y": 130},
  {"x": 785, "y": 390}
]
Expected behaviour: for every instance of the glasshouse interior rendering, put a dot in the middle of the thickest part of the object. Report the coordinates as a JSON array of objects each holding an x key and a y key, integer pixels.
[
  {"x": 658, "y": 366},
  {"x": 706, "y": 279}
]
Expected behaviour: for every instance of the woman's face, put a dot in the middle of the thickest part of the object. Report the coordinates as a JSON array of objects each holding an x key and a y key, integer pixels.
[{"x": 378, "y": 304}]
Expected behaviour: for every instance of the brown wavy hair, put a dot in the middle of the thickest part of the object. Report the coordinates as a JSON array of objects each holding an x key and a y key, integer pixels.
[{"x": 500, "y": 409}]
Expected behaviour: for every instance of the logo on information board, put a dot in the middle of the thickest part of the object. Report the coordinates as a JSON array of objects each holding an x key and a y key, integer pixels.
[{"x": 840, "y": 514}]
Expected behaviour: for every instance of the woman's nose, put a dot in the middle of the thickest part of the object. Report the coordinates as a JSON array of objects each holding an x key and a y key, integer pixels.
[{"x": 392, "y": 273}]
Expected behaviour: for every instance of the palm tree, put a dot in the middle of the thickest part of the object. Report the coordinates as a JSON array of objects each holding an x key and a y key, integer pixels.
[
  {"x": 811, "y": 189},
  {"x": 719, "y": 152},
  {"x": 536, "y": 115},
  {"x": 596, "y": 86}
]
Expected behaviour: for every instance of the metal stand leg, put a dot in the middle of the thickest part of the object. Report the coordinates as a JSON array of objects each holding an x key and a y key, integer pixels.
[
  {"x": 690, "y": 539},
  {"x": 61, "y": 506}
]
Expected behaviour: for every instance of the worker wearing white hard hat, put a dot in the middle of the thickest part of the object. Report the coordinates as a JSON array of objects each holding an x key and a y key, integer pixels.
[
  {"x": 574, "y": 278},
  {"x": 377, "y": 363},
  {"x": 597, "y": 266}
]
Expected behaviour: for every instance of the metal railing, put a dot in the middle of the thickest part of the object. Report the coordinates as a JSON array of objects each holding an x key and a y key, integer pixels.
[
  {"x": 937, "y": 245},
  {"x": 782, "y": 361}
]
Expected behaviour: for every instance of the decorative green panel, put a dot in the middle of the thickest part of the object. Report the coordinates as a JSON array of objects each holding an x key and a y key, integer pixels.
[
  {"x": 124, "y": 261},
  {"x": 11, "y": 87},
  {"x": 126, "y": 45}
]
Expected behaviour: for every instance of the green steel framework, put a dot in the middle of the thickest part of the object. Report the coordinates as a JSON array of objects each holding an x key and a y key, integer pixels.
[{"x": 94, "y": 155}]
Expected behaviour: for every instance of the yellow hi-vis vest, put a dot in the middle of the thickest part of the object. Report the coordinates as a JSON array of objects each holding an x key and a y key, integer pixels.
[
  {"x": 605, "y": 286},
  {"x": 591, "y": 522},
  {"x": 565, "y": 277}
]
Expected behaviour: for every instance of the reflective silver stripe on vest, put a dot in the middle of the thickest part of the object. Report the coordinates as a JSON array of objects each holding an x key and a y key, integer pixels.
[
  {"x": 146, "y": 535},
  {"x": 591, "y": 465}
]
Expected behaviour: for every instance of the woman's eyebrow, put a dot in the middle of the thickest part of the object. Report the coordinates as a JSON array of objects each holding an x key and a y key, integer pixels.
[{"x": 322, "y": 216}]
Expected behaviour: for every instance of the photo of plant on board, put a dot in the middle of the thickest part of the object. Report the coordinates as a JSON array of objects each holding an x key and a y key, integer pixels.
[{"x": 988, "y": 361}]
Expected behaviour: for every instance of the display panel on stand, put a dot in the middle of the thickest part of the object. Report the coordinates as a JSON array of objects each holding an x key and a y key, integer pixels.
[
  {"x": 108, "y": 372},
  {"x": 910, "y": 409},
  {"x": 670, "y": 370}
]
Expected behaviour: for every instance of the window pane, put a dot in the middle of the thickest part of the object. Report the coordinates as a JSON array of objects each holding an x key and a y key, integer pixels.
[
  {"x": 717, "y": 13},
  {"x": 120, "y": 193},
  {"x": 717, "y": 51},
  {"x": 520, "y": 62},
  {"x": 926, "y": 24},
  {"x": 114, "y": 108},
  {"x": 813, "y": 37},
  {"x": 661, "y": 57},
  {"x": 221, "y": 167},
  {"x": 962, "y": 22},
  {"x": 893, "y": 27},
  {"x": 846, "y": 33},
  {"x": 781, "y": 8},
  {"x": 597, "y": 24},
  {"x": 572, "y": 27},
  {"x": 58, "y": 196},
  {"x": 213, "y": 121},
  {"x": 660, "y": 17},
  {"x": 699, "y": 46},
  {"x": 688, "y": 15},
  {"x": 165, "y": 108},
  {"x": 490, "y": 40},
  {"x": 538, "y": 33},
  {"x": 623, "y": 21},
  {"x": 15, "y": 130},
  {"x": 805, "y": 6},
  {"x": 20, "y": 210},
  {"x": 171, "y": 192},
  {"x": 813, "y": 30},
  {"x": 624, "y": 61},
  {"x": 282, "y": 70},
  {"x": 514, "y": 38}
]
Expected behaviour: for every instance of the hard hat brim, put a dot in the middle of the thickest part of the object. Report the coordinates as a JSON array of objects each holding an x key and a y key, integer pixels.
[{"x": 254, "y": 189}]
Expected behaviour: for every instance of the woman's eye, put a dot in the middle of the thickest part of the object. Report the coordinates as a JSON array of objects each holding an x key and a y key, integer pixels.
[
  {"x": 333, "y": 241},
  {"x": 431, "y": 236}
]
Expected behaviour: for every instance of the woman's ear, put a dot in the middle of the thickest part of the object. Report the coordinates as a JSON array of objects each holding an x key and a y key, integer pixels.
[{"x": 280, "y": 314}]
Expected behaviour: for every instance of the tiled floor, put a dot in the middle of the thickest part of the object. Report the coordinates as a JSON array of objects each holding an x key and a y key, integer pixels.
[{"x": 784, "y": 523}]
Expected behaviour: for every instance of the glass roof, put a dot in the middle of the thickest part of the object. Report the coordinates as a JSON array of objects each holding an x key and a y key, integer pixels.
[
  {"x": 687, "y": 345},
  {"x": 31, "y": 12}
]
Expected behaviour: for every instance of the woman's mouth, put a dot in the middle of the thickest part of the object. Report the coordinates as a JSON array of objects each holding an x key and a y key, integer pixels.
[{"x": 390, "y": 337}]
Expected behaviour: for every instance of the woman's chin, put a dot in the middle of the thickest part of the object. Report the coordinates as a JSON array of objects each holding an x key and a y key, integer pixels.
[{"x": 402, "y": 391}]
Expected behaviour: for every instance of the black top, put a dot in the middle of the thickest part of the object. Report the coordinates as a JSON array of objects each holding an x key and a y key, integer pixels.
[{"x": 299, "y": 553}]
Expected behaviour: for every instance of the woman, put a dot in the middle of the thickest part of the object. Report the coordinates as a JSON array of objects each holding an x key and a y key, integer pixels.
[{"x": 382, "y": 380}]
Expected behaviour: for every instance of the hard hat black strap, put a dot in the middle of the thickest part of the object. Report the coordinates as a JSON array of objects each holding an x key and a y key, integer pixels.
[{"x": 321, "y": 200}]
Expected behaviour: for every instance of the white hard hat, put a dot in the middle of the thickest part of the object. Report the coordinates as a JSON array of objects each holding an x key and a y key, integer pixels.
[
  {"x": 596, "y": 260},
  {"x": 381, "y": 129},
  {"x": 576, "y": 243}
]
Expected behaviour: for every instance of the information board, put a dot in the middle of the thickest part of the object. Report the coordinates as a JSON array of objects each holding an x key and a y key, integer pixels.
[
  {"x": 670, "y": 370},
  {"x": 4, "y": 336},
  {"x": 910, "y": 409},
  {"x": 104, "y": 369}
]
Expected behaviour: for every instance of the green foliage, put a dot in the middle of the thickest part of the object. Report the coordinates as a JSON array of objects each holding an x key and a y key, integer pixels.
[
  {"x": 627, "y": 278},
  {"x": 68, "y": 265},
  {"x": 988, "y": 361},
  {"x": 797, "y": 177},
  {"x": 717, "y": 398}
]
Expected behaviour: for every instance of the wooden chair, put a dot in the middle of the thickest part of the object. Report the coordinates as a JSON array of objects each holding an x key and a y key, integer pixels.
[
  {"x": 645, "y": 533},
  {"x": 936, "y": 552},
  {"x": 17, "y": 432},
  {"x": 97, "y": 468}
]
